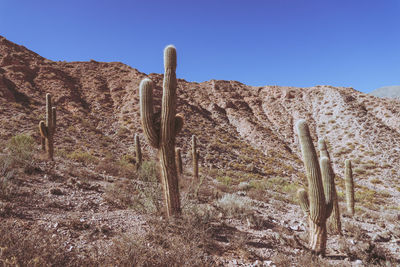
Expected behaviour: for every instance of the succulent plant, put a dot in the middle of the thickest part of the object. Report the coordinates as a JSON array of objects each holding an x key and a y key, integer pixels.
[
  {"x": 348, "y": 178},
  {"x": 138, "y": 152},
  {"x": 334, "y": 220},
  {"x": 161, "y": 133},
  {"x": 48, "y": 128},
  {"x": 317, "y": 201},
  {"x": 195, "y": 159},
  {"x": 178, "y": 160}
]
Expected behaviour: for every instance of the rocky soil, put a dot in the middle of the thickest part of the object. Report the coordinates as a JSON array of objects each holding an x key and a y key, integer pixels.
[{"x": 85, "y": 202}]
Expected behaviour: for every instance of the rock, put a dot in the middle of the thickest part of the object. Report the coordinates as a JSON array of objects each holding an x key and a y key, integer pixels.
[
  {"x": 56, "y": 191},
  {"x": 382, "y": 237}
]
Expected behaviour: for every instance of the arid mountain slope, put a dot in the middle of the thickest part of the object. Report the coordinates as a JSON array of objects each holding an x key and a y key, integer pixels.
[
  {"x": 245, "y": 134},
  {"x": 228, "y": 117}
]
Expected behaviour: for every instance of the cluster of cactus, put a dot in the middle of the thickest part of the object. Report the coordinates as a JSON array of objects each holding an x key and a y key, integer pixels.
[
  {"x": 317, "y": 202},
  {"x": 334, "y": 219},
  {"x": 161, "y": 133},
  {"x": 195, "y": 159},
  {"x": 48, "y": 128}
]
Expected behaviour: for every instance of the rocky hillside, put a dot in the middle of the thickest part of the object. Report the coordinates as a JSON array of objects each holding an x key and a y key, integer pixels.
[
  {"x": 387, "y": 91},
  {"x": 246, "y": 136}
]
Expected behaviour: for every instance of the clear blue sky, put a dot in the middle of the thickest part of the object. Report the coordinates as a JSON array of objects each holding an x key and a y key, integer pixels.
[{"x": 353, "y": 43}]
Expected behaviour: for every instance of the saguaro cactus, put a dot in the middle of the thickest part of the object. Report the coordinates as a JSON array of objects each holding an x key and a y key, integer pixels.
[
  {"x": 48, "y": 128},
  {"x": 161, "y": 133},
  {"x": 334, "y": 220},
  {"x": 195, "y": 158},
  {"x": 178, "y": 160},
  {"x": 317, "y": 202},
  {"x": 138, "y": 152},
  {"x": 348, "y": 177}
]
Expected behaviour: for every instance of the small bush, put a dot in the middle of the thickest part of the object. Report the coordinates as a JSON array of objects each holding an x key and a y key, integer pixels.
[
  {"x": 21, "y": 149},
  {"x": 179, "y": 243},
  {"x": 148, "y": 172},
  {"x": 234, "y": 206},
  {"x": 82, "y": 156}
]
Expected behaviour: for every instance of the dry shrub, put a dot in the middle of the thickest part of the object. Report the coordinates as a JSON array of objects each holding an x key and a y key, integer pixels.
[
  {"x": 369, "y": 253},
  {"x": 180, "y": 242},
  {"x": 37, "y": 248},
  {"x": 142, "y": 194},
  {"x": 235, "y": 206}
]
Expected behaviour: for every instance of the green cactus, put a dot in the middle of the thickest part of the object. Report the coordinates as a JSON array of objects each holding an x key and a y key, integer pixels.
[
  {"x": 178, "y": 160},
  {"x": 348, "y": 177},
  {"x": 48, "y": 128},
  {"x": 138, "y": 152},
  {"x": 161, "y": 133},
  {"x": 195, "y": 158},
  {"x": 317, "y": 202},
  {"x": 334, "y": 220}
]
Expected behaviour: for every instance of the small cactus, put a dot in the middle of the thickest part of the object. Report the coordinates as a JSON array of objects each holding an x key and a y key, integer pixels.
[
  {"x": 334, "y": 220},
  {"x": 48, "y": 128},
  {"x": 161, "y": 133},
  {"x": 317, "y": 201},
  {"x": 195, "y": 158},
  {"x": 178, "y": 160},
  {"x": 138, "y": 152},
  {"x": 348, "y": 177}
]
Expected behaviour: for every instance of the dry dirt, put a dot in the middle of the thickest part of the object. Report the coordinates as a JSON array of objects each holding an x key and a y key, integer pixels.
[{"x": 248, "y": 148}]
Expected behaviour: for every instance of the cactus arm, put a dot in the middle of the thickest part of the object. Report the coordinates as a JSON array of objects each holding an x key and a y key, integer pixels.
[
  {"x": 195, "y": 158},
  {"x": 169, "y": 96},
  {"x": 328, "y": 184},
  {"x": 315, "y": 187},
  {"x": 323, "y": 149},
  {"x": 303, "y": 200},
  {"x": 146, "y": 112},
  {"x": 54, "y": 119},
  {"x": 43, "y": 129}
]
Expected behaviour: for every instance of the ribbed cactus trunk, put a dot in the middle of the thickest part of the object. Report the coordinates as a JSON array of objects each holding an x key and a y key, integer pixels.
[
  {"x": 178, "y": 160},
  {"x": 138, "y": 152},
  {"x": 47, "y": 129},
  {"x": 317, "y": 202},
  {"x": 348, "y": 177},
  {"x": 162, "y": 136},
  {"x": 334, "y": 222},
  {"x": 195, "y": 158}
]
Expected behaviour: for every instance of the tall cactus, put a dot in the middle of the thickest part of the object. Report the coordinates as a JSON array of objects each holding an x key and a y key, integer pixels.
[
  {"x": 334, "y": 220},
  {"x": 48, "y": 128},
  {"x": 195, "y": 158},
  {"x": 178, "y": 160},
  {"x": 138, "y": 151},
  {"x": 161, "y": 135},
  {"x": 348, "y": 177},
  {"x": 317, "y": 202}
]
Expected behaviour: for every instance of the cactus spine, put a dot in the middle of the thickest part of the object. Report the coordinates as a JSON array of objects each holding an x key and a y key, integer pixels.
[
  {"x": 349, "y": 187},
  {"x": 195, "y": 158},
  {"x": 334, "y": 220},
  {"x": 317, "y": 202},
  {"x": 162, "y": 135},
  {"x": 138, "y": 152},
  {"x": 178, "y": 160},
  {"x": 48, "y": 128}
]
